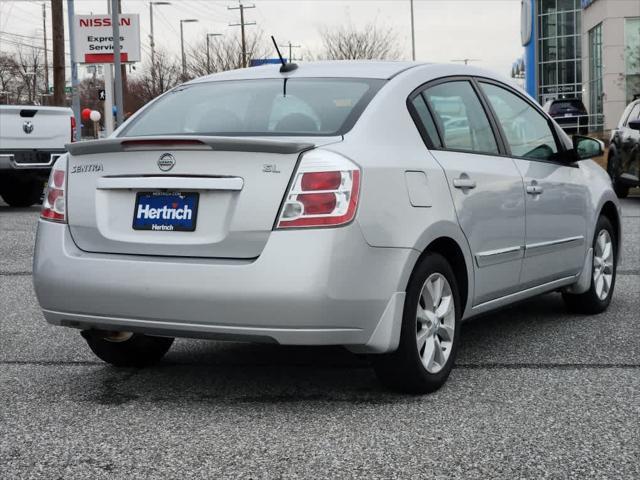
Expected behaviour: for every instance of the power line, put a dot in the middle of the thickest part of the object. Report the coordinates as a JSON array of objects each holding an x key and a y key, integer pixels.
[
  {"x": 17, "y": 43},
  {"x": 291, "y": 47},
  {"x": 242, "y": 24}
]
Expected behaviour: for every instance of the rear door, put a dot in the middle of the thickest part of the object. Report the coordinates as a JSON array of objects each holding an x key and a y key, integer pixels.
[
  {"x": 557, "y": 198},
  {"x": 486, "y": 188},
  {"x": 188, "y": 197}
]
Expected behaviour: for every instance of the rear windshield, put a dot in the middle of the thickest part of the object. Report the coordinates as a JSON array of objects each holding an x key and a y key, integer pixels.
[
  {"x": 264, "y": 107},
  {"x": 566, "y": 105}
]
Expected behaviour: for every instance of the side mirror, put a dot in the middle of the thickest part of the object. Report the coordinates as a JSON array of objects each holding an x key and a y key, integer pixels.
[
  {"x": 587, "y": 147},
  {"x": 634, "y": 124}
]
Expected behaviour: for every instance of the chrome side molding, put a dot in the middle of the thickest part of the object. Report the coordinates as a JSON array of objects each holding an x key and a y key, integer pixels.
[
  {"x": 541, "y": 248},
  {"x": 493, "y": 257}
]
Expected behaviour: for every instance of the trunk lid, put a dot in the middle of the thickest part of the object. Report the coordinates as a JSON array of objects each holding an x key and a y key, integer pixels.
[
  {"x": 239, "y": 182},
  {"x": 34, "y": 127}
]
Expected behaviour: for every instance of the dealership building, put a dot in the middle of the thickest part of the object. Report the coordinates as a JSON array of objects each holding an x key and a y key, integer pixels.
[{"x": 585, "y": 49}]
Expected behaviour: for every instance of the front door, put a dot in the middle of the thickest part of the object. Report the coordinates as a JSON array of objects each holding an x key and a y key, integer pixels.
[
  {"x": 486, "y": 188},
  {"x": 556, "y": 195}
]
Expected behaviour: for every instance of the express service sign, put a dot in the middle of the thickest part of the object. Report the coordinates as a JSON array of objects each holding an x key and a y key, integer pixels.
[{"x": 94, "y": 38}]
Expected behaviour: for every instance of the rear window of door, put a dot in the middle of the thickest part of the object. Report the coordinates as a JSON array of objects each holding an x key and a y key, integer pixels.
[
  {"x": 461, "y": 121},
  {"x": 528, "y": 133}
]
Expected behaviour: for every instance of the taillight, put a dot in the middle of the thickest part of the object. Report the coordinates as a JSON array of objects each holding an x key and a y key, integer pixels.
[
  {"x": 324, "y": 192},
  {"x": 54, "y": 206},
  {"x": 73, "y": 129}
]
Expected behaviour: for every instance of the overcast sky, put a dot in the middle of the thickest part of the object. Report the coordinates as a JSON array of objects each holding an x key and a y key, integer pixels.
[{"x": 486, "y": 30}]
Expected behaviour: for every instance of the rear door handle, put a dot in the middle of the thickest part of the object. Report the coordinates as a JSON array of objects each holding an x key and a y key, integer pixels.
[
  {"x": 464, "y": 183},
  {"x": 534, "y": 189}
]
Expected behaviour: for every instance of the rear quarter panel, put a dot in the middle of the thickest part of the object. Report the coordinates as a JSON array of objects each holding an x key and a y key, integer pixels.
[
  {"x": 599, "y": 185},
  {"x": 386, "y": 144}
]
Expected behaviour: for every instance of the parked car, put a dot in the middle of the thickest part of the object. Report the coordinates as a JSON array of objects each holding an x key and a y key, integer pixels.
[
  {"x": 327, "y": 205},
  {"x": 623, "y": 162},
  {"x": 31, "y": 140},
  {"x": 569, "y": 113}
]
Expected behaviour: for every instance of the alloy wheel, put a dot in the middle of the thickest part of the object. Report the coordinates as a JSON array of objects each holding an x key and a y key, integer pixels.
[
  {"x": 436, "y": 321},
  {"x": 603, "y": 264}
]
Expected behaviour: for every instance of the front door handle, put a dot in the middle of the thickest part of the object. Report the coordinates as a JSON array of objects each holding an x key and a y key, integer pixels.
[
  {"x": 464, "y": 182},
  {"x": 534, "y": 189}
]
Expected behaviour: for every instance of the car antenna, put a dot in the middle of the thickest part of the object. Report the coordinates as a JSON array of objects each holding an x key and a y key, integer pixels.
[{"x": 286, "y": 66}]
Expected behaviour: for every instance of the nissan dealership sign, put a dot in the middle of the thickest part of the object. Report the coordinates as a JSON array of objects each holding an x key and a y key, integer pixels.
[{"x": 94, "y": 38}]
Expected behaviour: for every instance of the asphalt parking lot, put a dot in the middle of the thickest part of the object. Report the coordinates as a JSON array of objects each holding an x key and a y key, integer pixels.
[{"x": 537, "y": 393}]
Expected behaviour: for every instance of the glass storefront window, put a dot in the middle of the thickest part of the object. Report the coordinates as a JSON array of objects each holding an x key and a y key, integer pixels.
[
  {"x": 595, "y": 70},
  {"x": 548, "y": 6},
  {"x": 567, "y": 47},
  {"x": 564, "y": 5},
  {"x": 548, "y": 26},
  {"x": 549, "y": 50},
  {"x": 566, "y": 23},
  {"x": 566, "y": 72},
  {"x": 559, "y": 72},
  {"x": 632, "y": 57},
  {"x": 549, "y": 74}
]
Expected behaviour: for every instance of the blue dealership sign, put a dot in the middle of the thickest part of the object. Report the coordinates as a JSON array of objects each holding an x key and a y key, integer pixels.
[{"x": 256, "y": 62}]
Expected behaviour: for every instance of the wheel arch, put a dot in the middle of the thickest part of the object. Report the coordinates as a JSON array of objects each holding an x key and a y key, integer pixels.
[
  {"x": 613, "y": 151},
  {"x": 451, "y": 250},
  {"x": 610, "y": 211}
]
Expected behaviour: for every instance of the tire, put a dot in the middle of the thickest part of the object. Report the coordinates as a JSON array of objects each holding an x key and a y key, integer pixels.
[
  {"x": 128, "y": 350},
  {"x": 22, "y": 194},
  {"x": 613, "y": 169},
  {"x": 595, "y": 300},
  {"x": 405, "y": 369}
]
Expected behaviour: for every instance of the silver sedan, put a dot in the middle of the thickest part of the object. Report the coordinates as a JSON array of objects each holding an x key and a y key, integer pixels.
[{"x": 367, "y": 204}]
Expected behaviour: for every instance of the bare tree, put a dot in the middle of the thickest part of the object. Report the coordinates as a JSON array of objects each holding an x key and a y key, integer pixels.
[
  {"x": 145, "y": 87},
  {"x": 346, "y": 42},
  {"x": 29, "y": 62},
  {"x": 225, "y": 53},
  {"x": 11, "y": 84}
]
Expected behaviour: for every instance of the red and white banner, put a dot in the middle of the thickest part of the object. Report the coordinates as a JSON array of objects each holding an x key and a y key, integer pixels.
[{"x": 94, "y": 38}]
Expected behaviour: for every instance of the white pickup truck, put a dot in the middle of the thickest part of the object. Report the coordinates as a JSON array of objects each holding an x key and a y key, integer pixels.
[{"x": 31, "y": 139}]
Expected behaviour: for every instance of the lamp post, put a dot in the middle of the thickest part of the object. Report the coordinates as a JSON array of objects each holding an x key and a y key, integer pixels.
[
  {"x": 152, "y": 43},
  {"x": 208, "y": 55},
  {"x": 413, "y": 36},
  {"x": 184, "y": 60}
]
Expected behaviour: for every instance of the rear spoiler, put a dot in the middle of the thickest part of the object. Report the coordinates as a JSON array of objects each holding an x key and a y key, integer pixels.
[{"x": 223, "y": 144}]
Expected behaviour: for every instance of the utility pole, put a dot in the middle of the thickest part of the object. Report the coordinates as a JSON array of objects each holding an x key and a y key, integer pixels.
[
  {"x": 291, "y": 47},
  {"x": 466, "y": 60},
  {"x": 117, "y": 64},
  {"x": 184, "y": 57},
  {"x": 208, "y": 54},
  {"x": 46, "y": 52},
  {"x": 242, "y": 24},
  {"x": 57, "y": 32},
  {"x": 75, "y": 95},
  {"x": 413, "y": 36},
  {"x": 123, "y": 71},
  {"x": 152, "y": 44}
]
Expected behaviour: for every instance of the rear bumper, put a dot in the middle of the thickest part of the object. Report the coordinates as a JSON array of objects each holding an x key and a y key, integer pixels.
[
  {"x": 29, "y": 159},
  {"x": 308, "y": 287}
]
